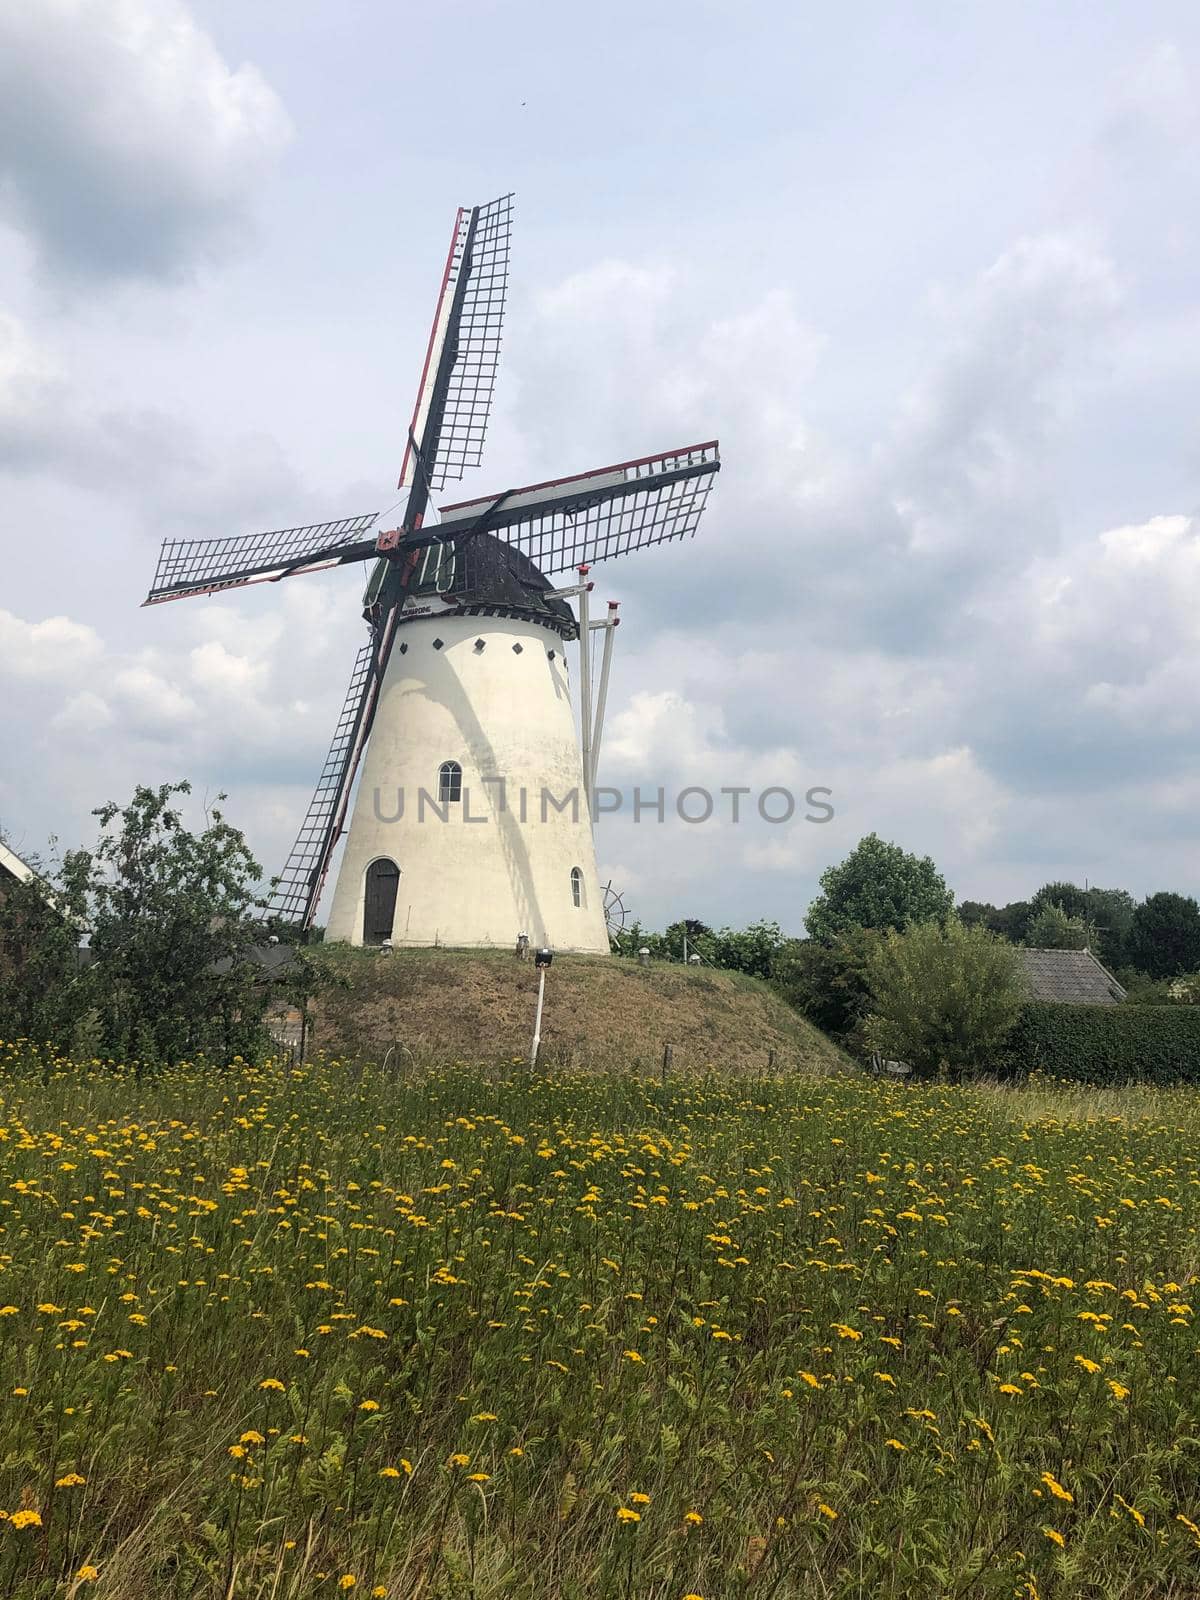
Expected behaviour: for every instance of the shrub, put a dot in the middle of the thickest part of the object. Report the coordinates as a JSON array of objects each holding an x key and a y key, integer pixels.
[
  {"x": 1107, "y": 1044},
  {"x": 944, "y": 999},
  {"x": 827, "y": 983}
]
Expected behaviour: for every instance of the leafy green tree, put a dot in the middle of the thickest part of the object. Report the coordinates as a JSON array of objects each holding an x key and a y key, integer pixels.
[
  {"x": 944, "y": 998},
  {"x": 635, "y": 936},
  {"x": 1110, "y": 912},
  {"x": 751, "y": 949},
  {"x": 1069, "y": 896},
  {"x": 827, "y": 983},
  {"x": 43, "y": 989},
  {"x": 1011, "y": 921},
  {"x": 976, "y": 913},
  {"x": 1164, "y": 938},
  {"x": 878, "y": 885},
  {"x": 1051, "y": 928},
  {"x": 172, "y": 920},
  {"x": 691, "y": 931}
]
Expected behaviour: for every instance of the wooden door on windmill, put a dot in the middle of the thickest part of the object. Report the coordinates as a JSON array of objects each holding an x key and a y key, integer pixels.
[{"x": 379, "y": 907}]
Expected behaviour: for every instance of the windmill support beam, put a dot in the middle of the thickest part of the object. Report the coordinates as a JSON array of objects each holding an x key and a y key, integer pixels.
[
  {"x": 585, "y": 684},
  {"x": 610, "y": 625}
]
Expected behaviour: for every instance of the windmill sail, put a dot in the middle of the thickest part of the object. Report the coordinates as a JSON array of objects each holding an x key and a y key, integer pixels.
[
  {"x": 295, "y": 892},
  {"x": 204, "y": 566},
  {"x": 454, "y": 399},
  {"x": 595, "y": 516}
]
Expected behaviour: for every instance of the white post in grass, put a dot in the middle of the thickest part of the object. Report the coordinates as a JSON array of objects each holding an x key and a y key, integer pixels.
[
  {"x": 537, "y": 1019},
  {"x": 542, "y": 962}
]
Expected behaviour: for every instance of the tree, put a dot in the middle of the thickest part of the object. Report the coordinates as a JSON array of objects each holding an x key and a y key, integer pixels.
[
  {"x": 1069, "y": 896},
  {"x": 878, "y": 885},
  {"x": 1011, "y": 921},
  {"x": 943, "y": 998},
  {"x": 1164, "y": 937},
  {"x": 976, "y": 913},
  {"x": 689, "y": 930},
  {"x": 751, "y": 949},
  {"x": 1110, "y": 912},
  {"x": 1052, "y": 929},
  {"x": 827, "y": 983},
  {"x": 43, "y": 989},
  {"x": 172, "y": 922}
]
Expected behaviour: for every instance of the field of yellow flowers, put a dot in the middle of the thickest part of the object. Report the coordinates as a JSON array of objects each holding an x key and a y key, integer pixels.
[{"x": 471, "y": 1335}]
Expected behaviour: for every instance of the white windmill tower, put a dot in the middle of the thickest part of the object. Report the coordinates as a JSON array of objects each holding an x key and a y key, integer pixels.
[{"x": 471, "y": 821}]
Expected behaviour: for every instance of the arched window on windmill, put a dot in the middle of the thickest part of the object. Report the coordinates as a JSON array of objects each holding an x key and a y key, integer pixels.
[
  {"x": 449, "y": 781},
  {"x": 576, "y": 887}
]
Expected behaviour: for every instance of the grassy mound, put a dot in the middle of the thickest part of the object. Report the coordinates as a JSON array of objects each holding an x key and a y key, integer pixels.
[{"x": 599, "y": 1011}]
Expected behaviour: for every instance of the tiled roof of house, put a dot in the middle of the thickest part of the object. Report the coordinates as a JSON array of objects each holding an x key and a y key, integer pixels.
[{"x": 1070, "y": 977}]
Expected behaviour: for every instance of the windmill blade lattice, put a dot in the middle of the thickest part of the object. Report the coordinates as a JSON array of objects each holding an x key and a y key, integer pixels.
[
  {"x": 477, "y": 360},
  {"x": 204, "y": 566},
  {"x": 599, "y": 515},
  {"x": 295, "y": 893},
  {"x": 454, "y": 397}
]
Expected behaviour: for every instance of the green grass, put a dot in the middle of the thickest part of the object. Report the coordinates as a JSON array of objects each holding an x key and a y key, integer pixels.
[{"x": 347, "y": 1331}]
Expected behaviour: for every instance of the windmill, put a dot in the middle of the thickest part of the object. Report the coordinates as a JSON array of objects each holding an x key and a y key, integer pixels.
[{"x": 458, "y": 711}]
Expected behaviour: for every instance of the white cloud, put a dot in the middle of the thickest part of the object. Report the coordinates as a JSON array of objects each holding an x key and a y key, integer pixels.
[
  {"x": 128, "y": 145},
  {"x": 83, "y": 715},
  {"x": 56, "y": 648}
]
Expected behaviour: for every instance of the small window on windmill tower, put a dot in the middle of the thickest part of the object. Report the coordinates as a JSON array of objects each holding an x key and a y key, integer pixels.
[
  {"x": 576, "y": 887},
  {"x": 449, "y": 781}
]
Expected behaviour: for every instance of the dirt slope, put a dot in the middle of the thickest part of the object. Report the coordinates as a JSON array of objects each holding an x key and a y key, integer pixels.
[{"x": 447, "y": 1005}]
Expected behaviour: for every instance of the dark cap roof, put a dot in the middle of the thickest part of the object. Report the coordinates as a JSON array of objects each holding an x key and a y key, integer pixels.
[{"x": 1070, "y": 977}]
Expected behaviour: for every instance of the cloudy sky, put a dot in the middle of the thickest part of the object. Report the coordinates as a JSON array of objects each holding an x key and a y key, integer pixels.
[{"x": 929, "y": 271}]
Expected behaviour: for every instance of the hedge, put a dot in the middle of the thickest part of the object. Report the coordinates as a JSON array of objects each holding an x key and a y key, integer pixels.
[{"x": 1107, "y": 1044}]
